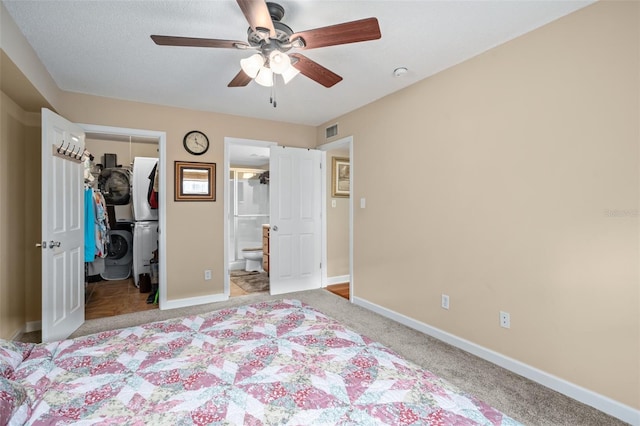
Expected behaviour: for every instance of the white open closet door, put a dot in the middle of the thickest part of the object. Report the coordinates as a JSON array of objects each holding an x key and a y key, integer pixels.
[
  {"x": 295, "y": 236},
  {"x": 62, "y": 227}
]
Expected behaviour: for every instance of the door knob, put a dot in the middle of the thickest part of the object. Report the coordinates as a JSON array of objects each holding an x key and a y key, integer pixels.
[
  {"x": 274, "y": 227},
  {"x": 53, "y": 244}
]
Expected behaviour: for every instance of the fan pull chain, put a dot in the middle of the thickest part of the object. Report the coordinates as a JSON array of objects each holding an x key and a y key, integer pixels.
[{"x": 272, "y": 100}]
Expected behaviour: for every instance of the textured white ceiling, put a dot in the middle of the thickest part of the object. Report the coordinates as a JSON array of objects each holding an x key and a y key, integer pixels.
[{"x": 103, "y": 48}]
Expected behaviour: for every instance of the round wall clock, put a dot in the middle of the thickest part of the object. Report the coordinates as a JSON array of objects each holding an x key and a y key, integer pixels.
[{"x": 196, "y": 142}]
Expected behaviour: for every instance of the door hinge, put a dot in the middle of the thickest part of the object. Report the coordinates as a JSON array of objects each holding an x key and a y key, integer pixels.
[{"x": 320, "y": 265}]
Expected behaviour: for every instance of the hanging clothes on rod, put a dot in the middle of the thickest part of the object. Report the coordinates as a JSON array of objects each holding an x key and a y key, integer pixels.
[
  {"x": 96, "y": 231},
  {"x": 101, "y": 223},
  {"x": 89, "y": 179},
  {"x": 89, "y": 225},
  {"x": 152, "y": 192}
]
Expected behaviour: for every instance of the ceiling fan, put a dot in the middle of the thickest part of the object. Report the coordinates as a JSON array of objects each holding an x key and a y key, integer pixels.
[{"x": 271, "y": 39}]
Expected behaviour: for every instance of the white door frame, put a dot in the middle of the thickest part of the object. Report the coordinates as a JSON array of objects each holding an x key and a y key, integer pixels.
[
  {"x": 346, "y": 142},
  {"x": 162, "y": 204},
  {"x": 228, "y": 141}
]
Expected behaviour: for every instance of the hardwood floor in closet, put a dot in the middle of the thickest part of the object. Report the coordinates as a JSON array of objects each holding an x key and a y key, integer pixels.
[{"x": 111, "y": 298}]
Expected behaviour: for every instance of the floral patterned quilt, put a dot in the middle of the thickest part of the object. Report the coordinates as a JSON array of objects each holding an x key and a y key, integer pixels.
[{"x": 276, "y": 363}]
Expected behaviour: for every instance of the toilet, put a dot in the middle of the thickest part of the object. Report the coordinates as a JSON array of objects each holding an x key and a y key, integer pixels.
[{"x": 254, "y": 259}]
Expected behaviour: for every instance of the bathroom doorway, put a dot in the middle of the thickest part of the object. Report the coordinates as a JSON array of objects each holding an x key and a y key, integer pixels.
[
  {"x": 247, "y": 224},
  {"x": 248, "y": 227}
]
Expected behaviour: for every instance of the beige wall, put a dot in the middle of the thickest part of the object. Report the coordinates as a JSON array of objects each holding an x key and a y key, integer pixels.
[
  {"x": 514, "y": 187},
  {"x": 337, "y": 225},
  {"x": 19, "y": 198},
  {"x": 194, "y": 230},
  {"x": 125, "y": 151},
  {"x": 33, "y": 223}
]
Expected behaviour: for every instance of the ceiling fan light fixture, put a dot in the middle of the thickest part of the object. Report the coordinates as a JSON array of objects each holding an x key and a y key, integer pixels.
[
  {"x": 265, "y": 77},
  {"x": 252, "y": 65},
  {"x": 279, "y": 62},
  {"x": 289, "y": 74}
]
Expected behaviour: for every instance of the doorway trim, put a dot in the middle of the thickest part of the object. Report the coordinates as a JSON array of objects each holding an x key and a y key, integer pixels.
[
  {"x": 162, "y": 205},
  {"x": 346, "y": 142},
  {"x": 228, "y": 142}
]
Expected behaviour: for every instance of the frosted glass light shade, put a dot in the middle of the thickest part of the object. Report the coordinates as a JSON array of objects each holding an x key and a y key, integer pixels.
[
  {"x": 289, "y": 73},
  {"x": 279, "y": 62},
  {"x": 265, "y": 77},
  {"x": 251, "y": 65}
]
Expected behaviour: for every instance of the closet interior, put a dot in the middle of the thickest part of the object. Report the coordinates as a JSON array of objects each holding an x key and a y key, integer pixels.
[{"x": 121, "y": 232}]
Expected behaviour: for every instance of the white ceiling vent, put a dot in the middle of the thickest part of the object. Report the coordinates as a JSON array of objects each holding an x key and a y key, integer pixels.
[{"x": 331, "y": 131}]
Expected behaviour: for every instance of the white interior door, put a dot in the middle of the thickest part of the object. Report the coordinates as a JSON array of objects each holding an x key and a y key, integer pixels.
[
  {"x": 62, "y": 228},
  {"x": 295, "y": 236}
]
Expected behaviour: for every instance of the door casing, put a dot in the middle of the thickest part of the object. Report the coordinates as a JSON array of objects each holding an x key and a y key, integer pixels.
[
  {"x": 162, "y": 204},
  {"x": 346, "y": 142},
  {"x": 228, "y": 141},
  {"x": 341, "y": 143}
]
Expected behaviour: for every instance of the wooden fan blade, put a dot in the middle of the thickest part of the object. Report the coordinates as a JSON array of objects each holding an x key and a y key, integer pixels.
[
  {"x": 196, "y": 42},
  {"x": 240, "y": 80},
  {"x": 257, "y": 15},
  {"x": 347, "y": 32},
  {"x": 315, "y": 71}
]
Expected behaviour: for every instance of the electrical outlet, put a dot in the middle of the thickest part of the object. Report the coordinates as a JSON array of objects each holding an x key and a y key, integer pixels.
[
  {"x": 207, "y": 274},
  {"x": 445, "y": 301},
  {"x": 505, "y": 319}
]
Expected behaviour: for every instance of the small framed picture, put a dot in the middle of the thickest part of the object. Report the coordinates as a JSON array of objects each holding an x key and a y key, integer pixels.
[
  {"x": 195, "y": 181},
  {"x": 340, "y": 177}
]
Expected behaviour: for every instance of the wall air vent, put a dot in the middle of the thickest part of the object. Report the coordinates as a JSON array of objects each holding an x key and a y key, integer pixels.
[{"x": 331, "y": 131}]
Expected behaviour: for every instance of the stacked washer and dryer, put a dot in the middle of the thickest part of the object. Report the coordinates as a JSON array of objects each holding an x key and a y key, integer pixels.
[
  {"x": 145, "y": 225},
  {"x": 134, "y": 230},
  {"x": 115, "y": 185}
]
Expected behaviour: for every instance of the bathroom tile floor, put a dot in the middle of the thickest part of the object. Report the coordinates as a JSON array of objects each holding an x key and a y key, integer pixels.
[{"x": 235, "y": 290}]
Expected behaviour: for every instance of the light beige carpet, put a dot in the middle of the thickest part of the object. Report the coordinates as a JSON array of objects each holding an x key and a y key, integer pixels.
[{"x": 519, "y": 398}]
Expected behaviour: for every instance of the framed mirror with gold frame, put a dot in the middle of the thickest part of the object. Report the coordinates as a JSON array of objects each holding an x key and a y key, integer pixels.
[{"x": 195, "y": 181}]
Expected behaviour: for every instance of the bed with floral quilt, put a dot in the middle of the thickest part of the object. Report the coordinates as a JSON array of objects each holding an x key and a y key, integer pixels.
[{"x": 277, "y": 363}]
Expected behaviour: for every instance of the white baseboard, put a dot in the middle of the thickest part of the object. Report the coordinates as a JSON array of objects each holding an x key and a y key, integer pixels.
[
  {"x": 586, "y": 396},
  {"x": 338, "y": 279},
  {"x": 193, "y": 301},
  {"x": 28, "y": 328},
  {"x": 33, "y": 326}
]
